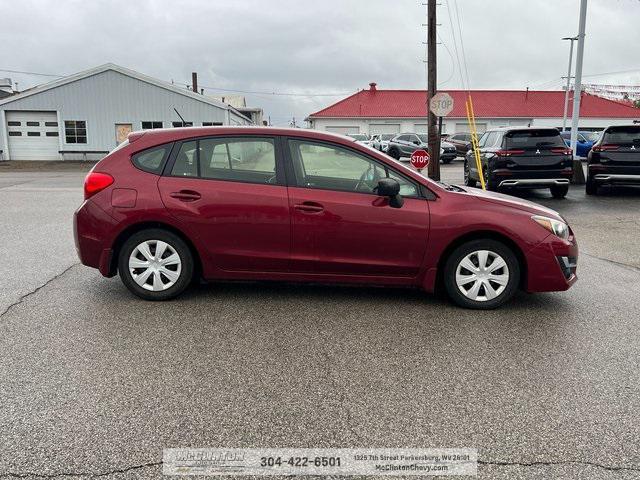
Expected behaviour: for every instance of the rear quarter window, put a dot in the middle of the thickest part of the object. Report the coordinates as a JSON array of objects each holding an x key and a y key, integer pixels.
[{"x": 153, "y": 159}]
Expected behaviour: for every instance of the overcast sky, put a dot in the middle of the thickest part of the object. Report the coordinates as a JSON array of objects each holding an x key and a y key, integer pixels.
[{"x": 316, "y": 46}]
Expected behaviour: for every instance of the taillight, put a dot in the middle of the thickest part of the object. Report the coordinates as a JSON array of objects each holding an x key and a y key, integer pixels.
[
  {"x": 606, "y": 146},
  {"x": 562, "y": 150},
  {"x": 96, "y": 182},
  {"x": 508, "y": 153}
]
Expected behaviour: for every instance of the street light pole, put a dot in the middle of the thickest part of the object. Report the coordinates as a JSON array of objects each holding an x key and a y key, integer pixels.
[
  {"x": 566, "y": 93},
  {"x": 578, "y": 176}
]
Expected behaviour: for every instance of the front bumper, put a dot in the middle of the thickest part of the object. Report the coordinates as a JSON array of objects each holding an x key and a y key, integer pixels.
[{"x": 552, "y": 265}]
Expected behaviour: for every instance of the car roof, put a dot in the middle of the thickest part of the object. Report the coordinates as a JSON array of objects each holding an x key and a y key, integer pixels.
[{"x": 162, "y": 135}]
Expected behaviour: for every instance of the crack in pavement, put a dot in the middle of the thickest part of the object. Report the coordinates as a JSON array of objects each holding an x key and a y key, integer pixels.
[
  {"x": 79, "y": 474},
  {"x": 342, "y": 398},
  {"x": 37, "y": 289},
  {"x": 612, "y": 468},
  {"x": 627, "y": 266}
]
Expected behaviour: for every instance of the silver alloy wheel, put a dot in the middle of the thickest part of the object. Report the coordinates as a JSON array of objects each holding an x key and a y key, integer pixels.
[
  {"x": 155, "y": 265},
  {"x": 482, "y": 275}
]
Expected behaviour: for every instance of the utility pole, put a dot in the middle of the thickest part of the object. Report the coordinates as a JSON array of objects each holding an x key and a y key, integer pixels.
[
  {"x": 566, "y": 93},
  {"x": 432, "y": 65},
  {"x": 578, "y": 172}
]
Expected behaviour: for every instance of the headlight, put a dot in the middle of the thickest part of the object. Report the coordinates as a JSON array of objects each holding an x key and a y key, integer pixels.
[{"x": 558, "y": 228}]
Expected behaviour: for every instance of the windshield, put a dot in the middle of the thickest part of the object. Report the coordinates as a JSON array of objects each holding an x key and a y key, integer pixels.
[
  {"x": 358, "y": 136},
  {"x": 423, "y": 137},
  {"x": 387, "y": 136},
  {"x": 622, "y": 135}
]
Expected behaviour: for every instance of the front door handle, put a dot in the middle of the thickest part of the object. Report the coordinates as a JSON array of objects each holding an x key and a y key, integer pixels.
[
  {"x": 309, "y": 207},
  {"x": 186, "y": 195}
]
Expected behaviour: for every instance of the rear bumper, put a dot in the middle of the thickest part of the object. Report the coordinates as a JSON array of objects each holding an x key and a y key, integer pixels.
[
  {"x": 534, "y": 182},
  {"x": 551, "y": 265},
  {"x": 92, "y": 227},
  {"x": 618, "y": 178}
]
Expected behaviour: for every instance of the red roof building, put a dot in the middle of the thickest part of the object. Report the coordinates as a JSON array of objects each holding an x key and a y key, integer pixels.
[{"x": 392, "y": 111}]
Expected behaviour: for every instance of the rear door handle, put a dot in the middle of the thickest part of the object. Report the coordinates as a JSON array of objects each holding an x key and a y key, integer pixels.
[
  {"x": 186, "y": 195},
  {"x": 309, "y": 207}
]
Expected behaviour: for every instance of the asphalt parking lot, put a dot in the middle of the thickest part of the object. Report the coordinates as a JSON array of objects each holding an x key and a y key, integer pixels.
[{"x": 95, "y": 382}]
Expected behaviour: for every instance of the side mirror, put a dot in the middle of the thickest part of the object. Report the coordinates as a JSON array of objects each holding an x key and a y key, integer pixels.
[
  {"x": 416, "y": 142},
  {"x": 388, "y": 187}
]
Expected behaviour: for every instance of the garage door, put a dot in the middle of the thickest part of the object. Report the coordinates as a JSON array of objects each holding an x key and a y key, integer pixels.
[
  {"x": 384, "y": 128},
  {"x": 33, "y": 135},
  {"x": 343, "y": 130}
]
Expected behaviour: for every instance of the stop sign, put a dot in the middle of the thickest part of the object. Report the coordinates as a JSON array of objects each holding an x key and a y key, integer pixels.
[{"x": 420, "y": 159}]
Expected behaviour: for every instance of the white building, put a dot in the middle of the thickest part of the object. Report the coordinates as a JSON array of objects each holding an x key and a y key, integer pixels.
[
  {"x": 87, "y": 114},
  {"x": 396, "y": 111}
]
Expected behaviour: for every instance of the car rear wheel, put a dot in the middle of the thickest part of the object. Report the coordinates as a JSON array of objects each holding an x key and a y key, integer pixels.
[
  {"x": 559, "y": 191},
  {"x": 591, "y": 187},
  {"x": 155, "y": 264},
  {"x": 481, "y": 274}
]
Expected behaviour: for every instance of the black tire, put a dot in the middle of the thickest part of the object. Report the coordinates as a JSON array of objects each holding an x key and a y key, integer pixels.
[
  {"x": 186, "y": 269},
  {"x": 496, "y": 248},
  {"x": 468, "y": 181},
  {"x": 394, "y": 153},
  {"x": 489, "y": 182},
  {"x": 559, "y": 191},
  {"x": 447, "y": 161},
  {"x": 591, "y": 187}
]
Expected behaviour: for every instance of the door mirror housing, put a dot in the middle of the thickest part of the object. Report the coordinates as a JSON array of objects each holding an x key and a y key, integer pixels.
[
  {"x": 388, "y": 187},
  {"x": 416, "y": 142}
]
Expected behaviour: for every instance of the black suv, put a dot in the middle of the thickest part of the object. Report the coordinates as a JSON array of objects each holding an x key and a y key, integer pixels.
[
  {"x": 522, "y": 157},
  {"x": 615, "y": 158},
  {"x": 405, "y": 144}
]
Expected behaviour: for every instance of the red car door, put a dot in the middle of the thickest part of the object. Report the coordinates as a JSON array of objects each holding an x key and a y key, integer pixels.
[
  {"x": 230, "y": 194},
  {"x": 339, "y": 226}
]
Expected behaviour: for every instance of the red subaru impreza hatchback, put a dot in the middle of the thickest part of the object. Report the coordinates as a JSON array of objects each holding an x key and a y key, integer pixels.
[{"x": 255, "y": 203}]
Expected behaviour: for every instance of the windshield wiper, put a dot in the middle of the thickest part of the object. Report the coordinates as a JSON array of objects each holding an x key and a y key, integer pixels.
[{"x": 451, "y": 188}]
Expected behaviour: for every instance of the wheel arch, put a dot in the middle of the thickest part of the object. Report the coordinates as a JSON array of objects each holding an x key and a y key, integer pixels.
[
  {"x": 481, "y": 235},
  {"x": 138, "y": 227}
]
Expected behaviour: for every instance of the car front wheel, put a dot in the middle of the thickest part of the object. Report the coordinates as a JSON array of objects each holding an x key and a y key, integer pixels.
[
  {"x": 155, "y": 264},
  {"x": 468, "y": 181},
  {"x": 481, "y": 274}
]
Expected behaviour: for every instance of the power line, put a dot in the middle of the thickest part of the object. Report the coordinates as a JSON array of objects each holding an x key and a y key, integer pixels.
[
  {"x": 31, "y": 73},
  {"x": 284, "y": 94}
]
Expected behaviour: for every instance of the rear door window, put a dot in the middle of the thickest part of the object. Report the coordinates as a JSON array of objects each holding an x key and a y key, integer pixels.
[{"x": 251, "y": 160}]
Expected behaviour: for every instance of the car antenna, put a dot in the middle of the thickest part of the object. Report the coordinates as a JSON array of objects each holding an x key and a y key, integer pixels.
[{"x": 176, "y": 110}]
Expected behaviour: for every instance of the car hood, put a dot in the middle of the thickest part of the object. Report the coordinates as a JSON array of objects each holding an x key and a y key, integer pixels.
[
  {"x": 513, "y": 202},
  {"x": 447, "y": 144}
]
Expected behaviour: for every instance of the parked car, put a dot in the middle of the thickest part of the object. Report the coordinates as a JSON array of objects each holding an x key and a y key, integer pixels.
[
  {"x": 403, "y": 145},
  {"x": 361, "y": 138},
  {"x": 522, "y": 157},
  {"x": 256, "y": 203},
  {"x": 462, "y": 142},
  {"x": 615, "y": 158},
  {"x": 585, "y": 141},
  {"x": 380, "y": 141}
]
